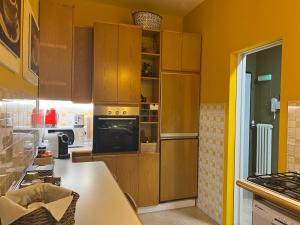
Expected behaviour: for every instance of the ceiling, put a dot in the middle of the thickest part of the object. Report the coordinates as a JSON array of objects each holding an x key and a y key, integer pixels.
[{"x": 169, "y": 7}]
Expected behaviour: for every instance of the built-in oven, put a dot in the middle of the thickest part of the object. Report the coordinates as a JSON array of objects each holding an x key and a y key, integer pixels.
[{"x": 116, "y": 129}]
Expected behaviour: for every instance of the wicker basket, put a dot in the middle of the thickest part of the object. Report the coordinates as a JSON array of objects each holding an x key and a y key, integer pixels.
[
  {"x": 147, "y": 20},
  {"x": 42, "y": 216}
]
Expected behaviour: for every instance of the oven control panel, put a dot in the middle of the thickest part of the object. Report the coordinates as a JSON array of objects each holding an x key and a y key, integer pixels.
[{"x": 116, "y": 111}]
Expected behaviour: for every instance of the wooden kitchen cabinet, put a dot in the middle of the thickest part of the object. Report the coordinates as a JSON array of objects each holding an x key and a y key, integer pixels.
[
  {"x": 148, "y": 179},
  {"x": 109, "y": 160},
  {"x": 127, "y": 173},
  {"x": 56, "y": 40},
  {"x": 181, "y": 51},
  {"x": 82, "y": 65},
  {"x": 105, "y": 82},
  {"x": 178, "y": 175},
  {"x": 179, "y": 109},
  {"x": 117, "y": 63},
  {"x": 191, "y": 51},
  {"x": 171, "y": 50},
  {"x": 129, "y": 65},
  {"x": 124, "y": 168}
]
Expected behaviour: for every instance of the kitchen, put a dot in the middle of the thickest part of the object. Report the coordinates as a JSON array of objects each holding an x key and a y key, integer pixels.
[{"x": 118, "y": 105}]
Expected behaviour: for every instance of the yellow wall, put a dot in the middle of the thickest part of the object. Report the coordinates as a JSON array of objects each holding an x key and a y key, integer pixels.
[
  {"x": 14, "y": 81},
  {"x": 86, "y": 12},
  {"x": 229, "y": 27}
]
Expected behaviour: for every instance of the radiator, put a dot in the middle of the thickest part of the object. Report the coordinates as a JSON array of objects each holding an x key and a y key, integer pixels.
[{"x": 263, "y": 149}]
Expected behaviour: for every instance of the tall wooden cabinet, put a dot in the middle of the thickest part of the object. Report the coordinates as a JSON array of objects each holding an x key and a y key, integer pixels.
[
  {"x": 83, "y": 65},
  {"x": 181, "y": 51},
  {"x": 117, "y": 63},
  {"x": 179, "y": 163},
  {"x": 180, "y": 109},
  {"x": 56, "y": 35}
]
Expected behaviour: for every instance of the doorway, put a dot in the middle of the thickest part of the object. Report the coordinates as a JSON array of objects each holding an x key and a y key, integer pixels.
[{"x": 257, "y": 121}]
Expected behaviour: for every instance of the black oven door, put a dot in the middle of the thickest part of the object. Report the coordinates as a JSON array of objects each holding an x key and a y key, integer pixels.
[{"x": 115, "y": 134}]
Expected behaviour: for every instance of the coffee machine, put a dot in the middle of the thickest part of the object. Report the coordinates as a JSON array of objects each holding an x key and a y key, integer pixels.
[{"x": 57, "y": 143}]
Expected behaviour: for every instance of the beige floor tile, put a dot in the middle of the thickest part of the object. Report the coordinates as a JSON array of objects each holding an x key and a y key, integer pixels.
[{"x": 185, "y": 216}]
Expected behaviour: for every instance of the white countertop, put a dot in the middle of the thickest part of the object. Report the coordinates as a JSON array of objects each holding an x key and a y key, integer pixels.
[{"x": 101, "y": 201}]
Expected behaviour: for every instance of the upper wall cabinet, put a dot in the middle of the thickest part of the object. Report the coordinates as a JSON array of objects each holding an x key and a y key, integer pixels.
[
  {"x": 181, "y": 51},
  {"x": 117, "y": 63},
  {"x": 56, "y": 40},
  {"x": 83, "y": 65}
]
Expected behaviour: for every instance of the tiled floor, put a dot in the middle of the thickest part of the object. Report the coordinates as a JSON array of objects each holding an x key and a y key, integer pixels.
[{"x": 185, "y": 216}]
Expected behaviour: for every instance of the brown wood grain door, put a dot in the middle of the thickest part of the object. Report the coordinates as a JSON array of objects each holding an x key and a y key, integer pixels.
[
  {"x": 105, "y": 81},
  {"x": 127, "y": 173},
  {"x": 180, "y": 103},
  {"x": 82, "y": 65},
  {"x": 171, "y": 50},
  {"x": 191, "y": 51},
  {"x": 148, "y": 179},
  {"x": 179, "y": 165},
  {"x": 129, "y": 64},
  {"x": 56, "y": 50}
]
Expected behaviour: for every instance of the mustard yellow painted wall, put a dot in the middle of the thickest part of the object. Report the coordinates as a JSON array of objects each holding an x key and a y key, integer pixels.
[
  {"x": 14, "y": 81},
  {"x": 231, "y": 26},
  {"x": 86, "y": 12}
]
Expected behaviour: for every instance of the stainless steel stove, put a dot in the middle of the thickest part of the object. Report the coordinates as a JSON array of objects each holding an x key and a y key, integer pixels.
[{"x": 287, "y": 184}]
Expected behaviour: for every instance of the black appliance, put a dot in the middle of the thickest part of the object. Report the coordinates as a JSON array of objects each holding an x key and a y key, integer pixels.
[
  {"x": 287, "y": 184},
  {"x": 63, "y": 148},
  {"x": 116, "y": 129}
]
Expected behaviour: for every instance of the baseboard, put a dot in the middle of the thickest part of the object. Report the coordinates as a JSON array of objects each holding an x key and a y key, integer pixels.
[{"x": 168, "y": 206}]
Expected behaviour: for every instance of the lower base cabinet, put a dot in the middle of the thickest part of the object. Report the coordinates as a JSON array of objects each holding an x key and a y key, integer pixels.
[
  {"x": 178, "y": 172},
  {"x": 136, "y": 174},
  {"x": 148, "y": 179}
]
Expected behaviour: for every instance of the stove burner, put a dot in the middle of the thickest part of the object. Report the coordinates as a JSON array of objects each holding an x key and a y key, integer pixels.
[{"x": 287, "y": 184}]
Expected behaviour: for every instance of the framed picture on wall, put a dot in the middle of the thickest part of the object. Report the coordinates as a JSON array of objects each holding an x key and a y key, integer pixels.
[
  {"x": 31, "y": 41},
  {"x": 34, "y": 44},
  {"x": 10, "y": 34}
]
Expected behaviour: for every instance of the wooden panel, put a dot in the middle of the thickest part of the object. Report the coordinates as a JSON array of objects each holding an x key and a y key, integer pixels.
[
  {"x": 171, "y": 50},
  {"x": 129, "y": 64},
  {"x": 179, "y": 162},
  {"x": 148, "y": 179},
  {"x": 191, "y": 51},
  {"x": 180, "y": 103},
  {"x": 110, "y": 161},
  {"x": 127, "y": 173},
  {"x": 83, "y": 65},
  {"x": 105, "y": 82},
  {"x": 55, "y": 50}
]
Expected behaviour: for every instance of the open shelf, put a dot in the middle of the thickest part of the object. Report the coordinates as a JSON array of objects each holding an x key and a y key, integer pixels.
[
  {"x": 149, "y": 78},
  {"x": 151, "y": 54}
]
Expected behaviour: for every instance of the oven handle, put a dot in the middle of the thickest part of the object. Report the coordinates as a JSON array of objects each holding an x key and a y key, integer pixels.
[{"x": 116, "y": 118}]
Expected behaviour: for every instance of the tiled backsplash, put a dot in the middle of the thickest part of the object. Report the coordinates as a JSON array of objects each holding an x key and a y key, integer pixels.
[
  {"x": 211, "y": 160},
  {"x": 293, "y": 145},
  {"x": 16, "y": 149}
]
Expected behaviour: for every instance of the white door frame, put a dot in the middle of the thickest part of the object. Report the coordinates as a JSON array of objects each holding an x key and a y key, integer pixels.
[{"x": 241, "y": 147}]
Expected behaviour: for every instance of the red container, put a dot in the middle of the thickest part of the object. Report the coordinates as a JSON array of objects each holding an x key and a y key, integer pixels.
[
  {"x": 51, "y": 118},
  {"x": 37, "y": 118}
]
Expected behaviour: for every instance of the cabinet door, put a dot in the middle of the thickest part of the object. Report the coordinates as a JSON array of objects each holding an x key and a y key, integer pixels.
[
  {"x": 110, "y": 162},
  {"x": 105, "y": 82},
  {"x": 148, "y": 179},
  {"x": 191, "y": 51},
  {"x": 129, "y": 64},
  {"x": 82, "y": 65},
  {"x": 179, "y": 165},
  {"x": 127, "y": 173},
  {"x": 56, "y": 41},
  {"x": 180, "y": 103},
  {"x": 171, "y": 50}
]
